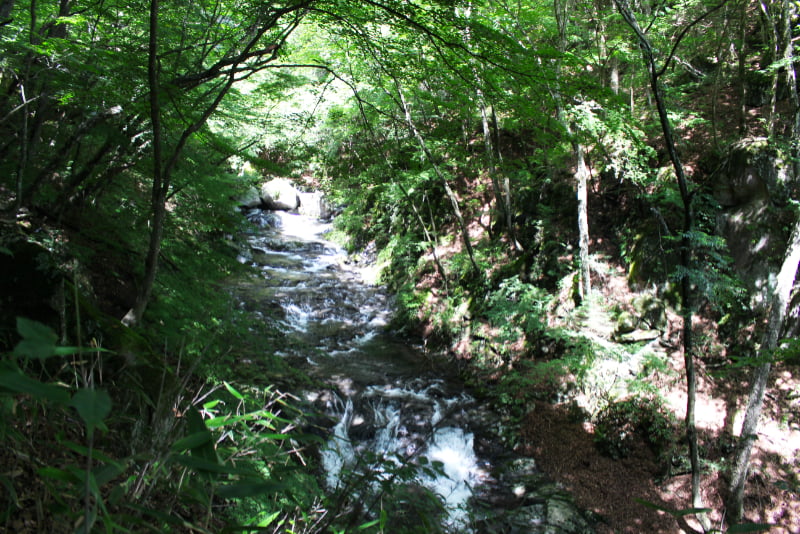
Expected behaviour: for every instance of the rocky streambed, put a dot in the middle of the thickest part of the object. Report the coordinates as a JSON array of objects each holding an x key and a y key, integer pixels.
[{"x": 397, "y": 420}]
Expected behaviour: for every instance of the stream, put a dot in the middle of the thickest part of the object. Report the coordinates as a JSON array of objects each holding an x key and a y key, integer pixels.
[{"x": 397, "y": 418}]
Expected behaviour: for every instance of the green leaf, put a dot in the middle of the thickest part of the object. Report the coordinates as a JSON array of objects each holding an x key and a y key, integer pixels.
[
  {"x": 192, "y": 441},
  {"x": 204, "y": 448},
  {"x": 749, "y": 527},
  {"x": 59, "y": 474},
  {"x": 35, "y": 330},
  {"x": 267, "y": 521},
  {"x": 217, "y": 422},
  {"x": 275, "y": 436},
  {"x": 106, "y": 473},
  {"x": 233, "y": 391},
  {"x": 211, "y": 404},
  {"x": 98, "y": 455},
  {"x": 34, "y": 348},
  {"x": 202, "y": 465},
  {"x": 38, "y": 340},
  {"x": 242, "y": 490},
  {"x": 68, "y": 351},
  {"x": 93, "y": 405},
  {"x": 372, "y": 523},
  {"x": 86, "y": 528},
  {"x": 17, "y": 382},
  {"x": 11, "y": 491},
  {"x": 169, "y": 519}
]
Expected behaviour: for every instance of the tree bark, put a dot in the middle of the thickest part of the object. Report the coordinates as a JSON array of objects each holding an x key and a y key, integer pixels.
[
  {"x": 160, "y": 185},
  {"x": 561, "y": 12},
  {"x": 582, "y": 178},
  {"x": 779, "y": 303},
  {"x": 742, "y": 68},
  {"x": 685, "y": 253},
  {"x": 772, "y": 47}
]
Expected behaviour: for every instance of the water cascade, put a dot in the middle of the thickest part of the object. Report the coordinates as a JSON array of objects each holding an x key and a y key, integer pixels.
[{"x": 389, "y": 405}]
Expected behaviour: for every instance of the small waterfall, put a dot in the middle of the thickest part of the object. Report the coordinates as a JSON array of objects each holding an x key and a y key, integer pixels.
[
  {"x": 392, "y": 413},
  {"x": 403, "y": 430},
  {"x": 339, "y": 451},
  {"x": 455, "y": 450}
]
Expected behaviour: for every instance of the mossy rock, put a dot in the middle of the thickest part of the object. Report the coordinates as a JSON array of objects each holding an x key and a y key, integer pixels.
[
  {"x": 651, "y": 311},
  {"x": 755, "y": 185},
  {"x": 626, "y": 323}
]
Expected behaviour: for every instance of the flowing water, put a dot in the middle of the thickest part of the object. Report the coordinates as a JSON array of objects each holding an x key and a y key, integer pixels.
[{"x": 389, "y": 403}]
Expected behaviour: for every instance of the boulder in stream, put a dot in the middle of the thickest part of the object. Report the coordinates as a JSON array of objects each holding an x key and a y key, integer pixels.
[
  {"x": 250, "y": 199},
  {"x": 280, "y": 194}
]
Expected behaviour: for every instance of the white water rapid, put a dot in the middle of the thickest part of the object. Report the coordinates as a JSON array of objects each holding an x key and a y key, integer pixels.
[{"x": 392, "y": 412}]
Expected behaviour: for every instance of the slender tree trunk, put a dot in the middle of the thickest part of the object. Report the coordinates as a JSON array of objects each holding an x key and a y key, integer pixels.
[
  {"x": 448, "y": 190},
  {"x": 502, "y": 191},
  {"x": 507, "y": 209},
  {"x": 22, "y": 163},
  {"x": 685, "y": 256},
  {"x": 163, "y": 166},
  {"x": 160, "y": 186},
  {"x": 582, "y": 178},
  {"x": 428, "y": 237},
  {"x": 492, "y": 168},
  {"x": 721, "y": 56},
  {"x": 501, "y": 213},
  {"x": 786, "y": 277},
  {"x": 742, "y": 66},
  {"x": 561, "y": 11},
  {"x": 779, "y": 302},
  {"x": 772, "y": 43},
  {"x": 789, "y": 14}
]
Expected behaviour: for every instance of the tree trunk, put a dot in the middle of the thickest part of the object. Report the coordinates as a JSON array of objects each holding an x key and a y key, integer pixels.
[
  {"x": 685, "y": 255},
  {"x": 162, "y": 166},
  {"x": 742, "y": 67},
  {"x": 777, "y": 313},
  {"x": 789, "y": 14},
  {"x": 506, "y": 186},
  {"x": 160, "y": 186},
  {"x": 492, "y": 168},
  {"x": 772, "y": 47},
  {"x": 721, "y": 56},
  {"x": 582, "y": 178},
  {"x": 561, "y": 12}
]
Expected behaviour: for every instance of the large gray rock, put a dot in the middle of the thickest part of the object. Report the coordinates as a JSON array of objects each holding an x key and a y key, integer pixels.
[
  {"x": 754, "y": 185},
  {"x": 534, "y": 505},
  {"x": 280, "y": 194},
  {"x": 315, "y": 204},
  {"x": 250, "y": 199}
]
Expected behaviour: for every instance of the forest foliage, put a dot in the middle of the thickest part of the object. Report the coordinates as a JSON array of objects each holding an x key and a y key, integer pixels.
[{"x": 451, "y": 136}]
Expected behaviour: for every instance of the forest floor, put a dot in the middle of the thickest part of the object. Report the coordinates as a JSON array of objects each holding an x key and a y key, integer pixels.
[{"x": 615, "y": 488}]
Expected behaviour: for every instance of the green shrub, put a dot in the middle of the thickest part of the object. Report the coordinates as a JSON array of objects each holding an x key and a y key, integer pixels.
[{"x": 619, "y": 424}]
